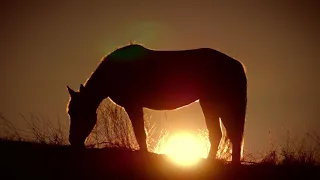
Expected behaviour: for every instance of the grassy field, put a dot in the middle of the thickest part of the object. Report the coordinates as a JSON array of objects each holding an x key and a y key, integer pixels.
[
  {"x": 45, "y": 154},
  {"x": 21, "y": 160}
]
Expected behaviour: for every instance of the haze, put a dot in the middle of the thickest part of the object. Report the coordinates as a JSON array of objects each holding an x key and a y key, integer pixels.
[{"x": 46, "y": 45}]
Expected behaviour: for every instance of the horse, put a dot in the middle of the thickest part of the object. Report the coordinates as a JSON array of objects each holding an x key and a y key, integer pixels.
[{"x": 135, "y": 77}]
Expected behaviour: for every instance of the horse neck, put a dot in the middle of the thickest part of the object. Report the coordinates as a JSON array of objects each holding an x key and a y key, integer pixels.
[
  {"x": 95, "y": 93},
  {"x": 94, "y": 100}
]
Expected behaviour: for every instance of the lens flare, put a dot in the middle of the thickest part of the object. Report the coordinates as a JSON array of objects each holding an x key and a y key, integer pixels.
[{"x": 185, "y": 149}]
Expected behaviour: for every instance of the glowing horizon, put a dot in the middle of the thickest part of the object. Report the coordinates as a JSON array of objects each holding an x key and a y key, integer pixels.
[{"x": 185, "y": 149}]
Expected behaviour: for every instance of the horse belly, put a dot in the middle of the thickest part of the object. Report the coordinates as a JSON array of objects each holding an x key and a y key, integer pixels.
[
  {"x": 168, "y": 103},
  {"x": 168, "y": 97}
]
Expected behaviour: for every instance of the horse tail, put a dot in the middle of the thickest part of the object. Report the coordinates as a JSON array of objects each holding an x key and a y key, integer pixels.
[
  {"x": 241, "y": 102},
  {"x": 236, "y": 103}
]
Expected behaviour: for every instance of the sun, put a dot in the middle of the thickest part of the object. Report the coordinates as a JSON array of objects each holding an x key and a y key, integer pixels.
[{"x": 185, "y": 149}]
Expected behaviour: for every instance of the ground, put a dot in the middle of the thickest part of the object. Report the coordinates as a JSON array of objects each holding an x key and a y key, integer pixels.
[{"x": 25, "y": 160}]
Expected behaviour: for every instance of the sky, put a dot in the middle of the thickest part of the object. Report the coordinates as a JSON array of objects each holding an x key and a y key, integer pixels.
[{"x": 47, "y": 45}]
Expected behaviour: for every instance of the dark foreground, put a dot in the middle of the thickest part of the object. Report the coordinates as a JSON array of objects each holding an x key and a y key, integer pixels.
[{"x": 20, "y": 160}]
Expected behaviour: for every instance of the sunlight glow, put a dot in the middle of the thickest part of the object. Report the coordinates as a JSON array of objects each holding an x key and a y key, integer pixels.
[{"x": 185, "y": 149}]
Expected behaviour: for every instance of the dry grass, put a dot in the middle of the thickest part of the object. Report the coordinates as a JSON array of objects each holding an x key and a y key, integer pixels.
[
  {"x": 303, "y": 151},
  {"x": 38, "y": 129},
  {"x": 114, "y": 130},
  {"x": 45, "y": 153}
]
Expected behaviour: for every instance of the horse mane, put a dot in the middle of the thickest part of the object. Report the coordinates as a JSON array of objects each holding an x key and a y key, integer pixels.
[{"x": 100, "y": 66}]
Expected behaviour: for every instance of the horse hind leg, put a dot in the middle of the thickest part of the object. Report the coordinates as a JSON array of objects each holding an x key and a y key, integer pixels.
[
  {"x": 137, "y": 121},
  {"x": 234, "y": 119},
  {"x": 211, "y": 116}
]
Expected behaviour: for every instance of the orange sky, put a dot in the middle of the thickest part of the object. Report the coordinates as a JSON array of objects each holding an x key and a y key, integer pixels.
[{"x": 48, "y": 45}]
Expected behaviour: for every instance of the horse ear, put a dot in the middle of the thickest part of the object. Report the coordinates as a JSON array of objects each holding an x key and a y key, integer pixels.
[
  {"x": 81, "y": 88},
  {"x": 71, "y": 92}
]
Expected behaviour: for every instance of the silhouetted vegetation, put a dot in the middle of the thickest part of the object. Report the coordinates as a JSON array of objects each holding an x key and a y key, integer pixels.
[{"x": 42, "y": 151}]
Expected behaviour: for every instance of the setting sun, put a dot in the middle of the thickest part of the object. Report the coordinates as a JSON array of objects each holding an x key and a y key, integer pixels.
[{"x": 185, "y": 149}]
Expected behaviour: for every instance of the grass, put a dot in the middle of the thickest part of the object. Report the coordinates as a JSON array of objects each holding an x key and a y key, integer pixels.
[
  {"x": 42, "y": 152},
  {"x": 34, "y": 160}
]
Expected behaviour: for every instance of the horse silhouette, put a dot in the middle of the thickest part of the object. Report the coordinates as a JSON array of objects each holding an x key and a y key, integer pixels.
[{"x": 135, "y": 77}]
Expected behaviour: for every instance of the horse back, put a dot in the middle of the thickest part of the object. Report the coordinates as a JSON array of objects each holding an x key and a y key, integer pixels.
[{"x": 167, "y": 76}]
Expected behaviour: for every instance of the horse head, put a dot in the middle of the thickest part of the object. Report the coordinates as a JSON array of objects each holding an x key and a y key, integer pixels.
[{"x": 82, "y": 117}]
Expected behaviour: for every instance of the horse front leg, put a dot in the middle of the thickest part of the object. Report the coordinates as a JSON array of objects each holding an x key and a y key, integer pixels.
[{"x": 136, "y": 117}]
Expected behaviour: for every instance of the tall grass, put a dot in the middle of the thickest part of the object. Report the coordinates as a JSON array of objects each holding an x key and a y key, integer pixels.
[
  {"x": 295, "y": 151},
  {"x": 37, "y": 129},
  {"x": 114, "y": 129}
]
